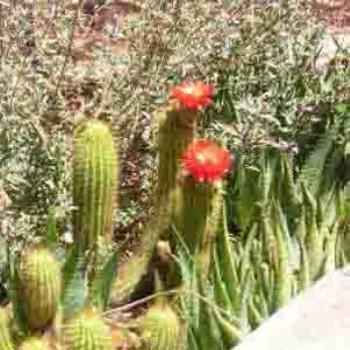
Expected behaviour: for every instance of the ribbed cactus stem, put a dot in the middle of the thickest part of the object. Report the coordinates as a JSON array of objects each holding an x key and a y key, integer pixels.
[
  {"x": 197, "y": 218},
  {"x": 39, "y": 288},
  {"x": 5, "y": 337},
  {"x": 87, "y": 331},
  {"x": 95, "y": 182},
  {"x": 161, "y": 328},
  {"x": 35, "y": 344},
  {"x": 176, "y": 131}
]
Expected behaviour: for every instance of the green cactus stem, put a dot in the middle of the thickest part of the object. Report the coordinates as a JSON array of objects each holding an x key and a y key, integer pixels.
[
  {"x": 177, "y": 129},
  {"x": 95, "y": 182},
  {"x": 39, "y": 291},
  {"x": 87, "y": 331},
  {"x": 161, "y": 328},
  {"x": 197, "y": 217},
  {"x": 35, "y": 344},
  {"x": 5, "y": 337}
]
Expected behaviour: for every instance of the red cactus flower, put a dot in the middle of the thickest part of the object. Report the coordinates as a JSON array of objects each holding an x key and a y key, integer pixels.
[
  {"x": 206, "y": 161},
  {"x": 192, "y": 95}
]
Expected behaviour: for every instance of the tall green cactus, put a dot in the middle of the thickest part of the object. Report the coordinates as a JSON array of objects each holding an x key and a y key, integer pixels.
[
  {"x": 87, "y": 331},
  {"x": 197, "y": 217},
  {"x": 5, "y": 337},
  {"x": 39, "y": 286},
  {"x": 95, "y": 182},
  {"x": 177, "y": 129}
]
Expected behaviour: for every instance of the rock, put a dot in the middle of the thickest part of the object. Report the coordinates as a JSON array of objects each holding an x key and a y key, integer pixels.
[
  {"x": 328, "y": 48},
  {"x": 318, "y": 319}
]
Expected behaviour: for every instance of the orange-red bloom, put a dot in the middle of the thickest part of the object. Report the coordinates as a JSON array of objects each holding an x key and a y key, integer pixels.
[
  {"x": 206, "y": 161},
  {"x": 192, "y": 95}
]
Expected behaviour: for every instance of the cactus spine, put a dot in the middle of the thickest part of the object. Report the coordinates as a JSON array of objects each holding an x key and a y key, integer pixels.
[
  {"x": 95, "y": 182},
  {"x": 5, "y": 337},
  {"x": 161, "y": 328},
  {"x": 87, "y": 331},
  {"x": 34, "y": 344},
  {"x": 39, "y": 281}
]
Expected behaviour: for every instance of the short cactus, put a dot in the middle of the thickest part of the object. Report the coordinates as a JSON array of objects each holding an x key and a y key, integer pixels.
[
  {"x": 5, "y": 337},
  {"x": 95, "y": 182},
  {"x": 87, "y": 331},
  {"x": 39, "y": 288},
  {"x": 34, "y": 344},
  {"x": 161, "y": 328}
]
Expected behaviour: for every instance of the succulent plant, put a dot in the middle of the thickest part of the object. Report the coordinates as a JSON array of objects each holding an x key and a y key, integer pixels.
[
  {"x": 95, "y": 182},
  {"x": 5, "y": 336},
  {"x": 161, "y": 328},
  {"x": 35, "y": 344},
  {"x": 39, "y": 286},
  {"x": 87, "y": 331}
]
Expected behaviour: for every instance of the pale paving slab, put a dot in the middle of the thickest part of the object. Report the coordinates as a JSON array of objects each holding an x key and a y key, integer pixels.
[{"x": 318, "y": 319}]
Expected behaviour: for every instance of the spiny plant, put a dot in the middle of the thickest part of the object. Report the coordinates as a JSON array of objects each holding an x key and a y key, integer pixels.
[
  {"x": 5, "y": 336},
  {"x": 35, "y": 344},
  {"x": 161, "y": 327},
  {"x": 88, "y": 331},
  {"x": 95, "y": 182},
  {"x": 39, "y": 286}
]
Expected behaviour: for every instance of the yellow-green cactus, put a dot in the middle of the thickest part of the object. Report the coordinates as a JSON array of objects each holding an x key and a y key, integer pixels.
[
  {"x": 35, "y": 344},
  {"x": 161, "y": 328},
  {"x": 95, "y": 182},
  {"x": 39, "y": 286},
  {"x": 87, "y": 331},
  {"x": 5, "y": 337}
]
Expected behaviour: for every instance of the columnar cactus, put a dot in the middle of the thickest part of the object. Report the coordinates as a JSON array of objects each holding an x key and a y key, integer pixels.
[
  {"x": 161, "y": 328},
  {"x": 199, "y": 198},
  {"x": 35, "y": 344},
  {"x": 39, "y": 286},
  {"x": 95, "y": 182},
  {"x": 177, "y": 129},
  {"x": 5, "y": 337},
  {"x": 87, "y": 331}
]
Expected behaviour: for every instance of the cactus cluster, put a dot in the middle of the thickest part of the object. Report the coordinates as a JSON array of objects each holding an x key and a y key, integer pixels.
[{"x": 286, "y": 242}]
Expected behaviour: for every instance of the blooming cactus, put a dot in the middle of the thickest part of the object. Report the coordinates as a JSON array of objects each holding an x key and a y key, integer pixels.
[{"x": 206, "y": 161}]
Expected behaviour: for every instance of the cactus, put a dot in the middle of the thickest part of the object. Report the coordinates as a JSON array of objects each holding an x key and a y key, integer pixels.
[
  {"x": 87, "y": 331},
  {"x": 199, "y": 198},
  {"x": 39, "y": 288},
  {"x": 5, "y": 337},
  {"x": 197, "y": 218},
  {"x": 34, "y": 344},
  {"x": 176, "y": 131},
  {"x": 161, "y": 328},
  {"x": 176, "y": 126},
  {"x": 95, "y": 182}
]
